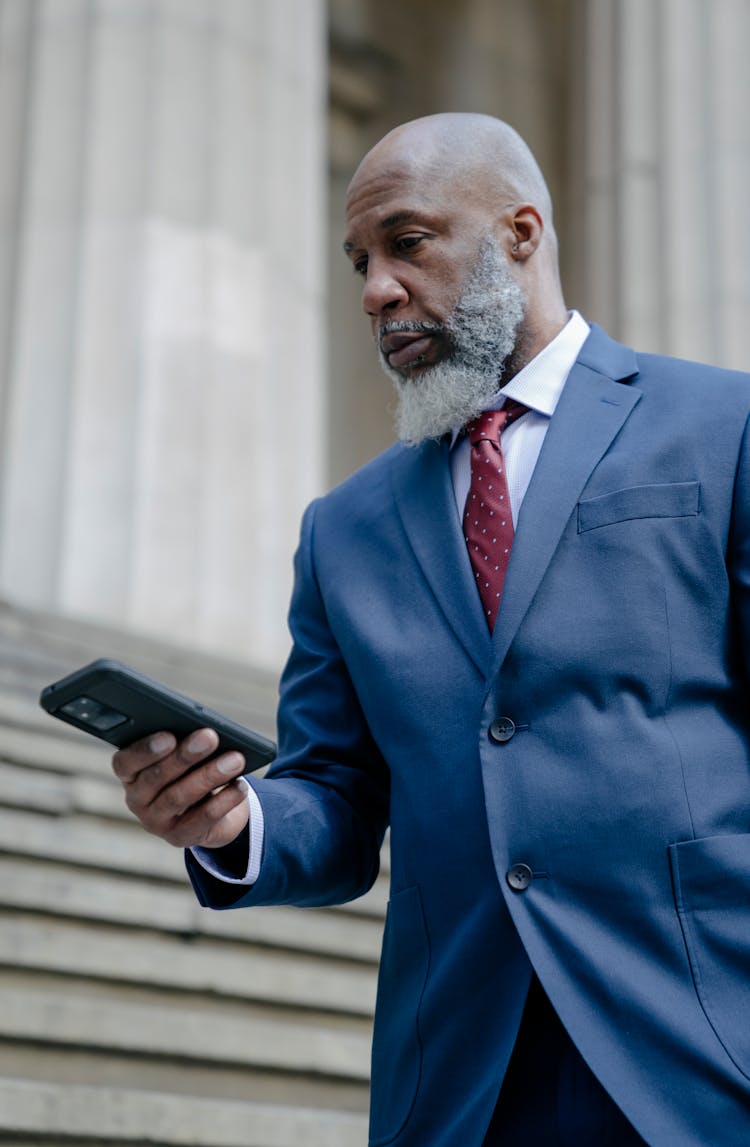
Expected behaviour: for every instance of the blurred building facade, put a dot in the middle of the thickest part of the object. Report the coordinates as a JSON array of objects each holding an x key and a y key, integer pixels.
[
  {"x": 183, "y": 365},
  {"x": 162, "y": 401},
  {"x": 634, "y": 110}
]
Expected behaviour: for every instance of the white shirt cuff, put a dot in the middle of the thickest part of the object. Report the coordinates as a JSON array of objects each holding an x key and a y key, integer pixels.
[{"x": 206, "y": 857}]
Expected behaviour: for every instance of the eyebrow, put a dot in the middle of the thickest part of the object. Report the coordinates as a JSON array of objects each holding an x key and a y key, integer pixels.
[
  {"x": 396, "y": 218},
  {"x": 385, "y": 224}
]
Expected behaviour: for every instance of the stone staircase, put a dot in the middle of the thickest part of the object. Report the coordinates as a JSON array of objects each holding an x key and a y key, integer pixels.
[{"x": 128, "y": 1014}]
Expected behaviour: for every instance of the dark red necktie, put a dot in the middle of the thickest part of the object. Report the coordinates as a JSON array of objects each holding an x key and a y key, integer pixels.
[{"x": 488, "y": 523}]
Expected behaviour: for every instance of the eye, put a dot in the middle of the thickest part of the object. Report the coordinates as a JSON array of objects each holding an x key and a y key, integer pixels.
[
  {"x": 407, "y": 242},
  {"x": 359, "y": 266}
]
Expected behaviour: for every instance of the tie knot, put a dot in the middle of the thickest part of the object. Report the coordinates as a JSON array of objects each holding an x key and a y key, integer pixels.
[{"x": 490, "y": 425}]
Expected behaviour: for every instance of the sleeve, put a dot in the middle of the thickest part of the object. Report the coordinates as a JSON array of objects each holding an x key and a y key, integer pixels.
[
  {"x": 238, "y": 863},
  {"x": 739, "y": 549},
  {"x": 325, "y": 799}
]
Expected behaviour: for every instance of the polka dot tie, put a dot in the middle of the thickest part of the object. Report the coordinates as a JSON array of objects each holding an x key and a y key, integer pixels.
[{"x": 488, "y": 524}]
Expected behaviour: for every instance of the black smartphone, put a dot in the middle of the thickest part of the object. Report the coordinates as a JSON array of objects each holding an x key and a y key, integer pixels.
[{"x": 116, "y": 703}]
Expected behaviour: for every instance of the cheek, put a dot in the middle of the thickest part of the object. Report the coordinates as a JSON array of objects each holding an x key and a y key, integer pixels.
[
  {"x": 436, "y": 298},
  {"x": 443, "y": 290}
]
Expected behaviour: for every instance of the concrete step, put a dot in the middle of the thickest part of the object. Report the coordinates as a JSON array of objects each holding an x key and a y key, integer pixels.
[
  {"x": 50, "y": 1112},
  {"x": 176, "y": 962},
  {"x": 63, "y": 890},
  {"x": 190, "y": 964},
  {"x": 128, "y": 1013},
  {"x": 177, "y": 1028}
]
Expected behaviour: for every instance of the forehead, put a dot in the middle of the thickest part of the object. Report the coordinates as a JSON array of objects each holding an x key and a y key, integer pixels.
[{"x": 379, "y": 197}]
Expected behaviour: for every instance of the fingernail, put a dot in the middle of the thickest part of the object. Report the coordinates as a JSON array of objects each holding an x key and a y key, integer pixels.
[
  {"x": 161, "y": 744},
  {"x": 201, "y": 742},
  {"x": 230, "y": 764}
]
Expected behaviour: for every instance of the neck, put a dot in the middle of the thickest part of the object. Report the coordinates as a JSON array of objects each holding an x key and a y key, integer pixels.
[{"x": 532, "y": 339}]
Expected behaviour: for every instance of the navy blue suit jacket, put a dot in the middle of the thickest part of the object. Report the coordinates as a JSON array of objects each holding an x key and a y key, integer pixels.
[{"x": 620, "y": 654}]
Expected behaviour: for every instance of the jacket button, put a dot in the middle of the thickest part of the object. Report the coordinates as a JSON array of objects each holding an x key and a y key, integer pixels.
[
  {"x": 501, "y": 730},
  {"x": 519, "y": 877}
]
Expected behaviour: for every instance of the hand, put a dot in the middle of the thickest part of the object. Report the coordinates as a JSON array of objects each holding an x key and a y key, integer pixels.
[{"x": 177, "y": 798}]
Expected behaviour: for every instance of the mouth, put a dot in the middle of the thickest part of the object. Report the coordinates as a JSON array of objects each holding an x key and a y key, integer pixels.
[{"x": 405, "y": 348}]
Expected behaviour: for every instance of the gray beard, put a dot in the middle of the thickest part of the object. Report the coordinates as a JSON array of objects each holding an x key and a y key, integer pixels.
[{"x": 481, "y": 334}]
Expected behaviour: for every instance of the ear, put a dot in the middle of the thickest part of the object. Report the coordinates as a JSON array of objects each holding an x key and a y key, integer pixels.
[{"x": 523, "y": 229}]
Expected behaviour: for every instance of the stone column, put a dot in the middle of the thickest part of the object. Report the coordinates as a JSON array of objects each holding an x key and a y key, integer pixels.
[
  {"x": 662, "y": 229},
  {"x": 161, "y": 278}
]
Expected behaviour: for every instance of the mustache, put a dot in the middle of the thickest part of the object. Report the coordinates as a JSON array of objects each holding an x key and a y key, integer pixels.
[{"x": 404, "y": 326}]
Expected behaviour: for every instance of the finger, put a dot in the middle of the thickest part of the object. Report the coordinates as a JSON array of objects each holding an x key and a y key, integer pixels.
[
  {"x": 149, "y": 767},
  {"x": 159, "y": 800},
  {"x": 195, "y": 786},
  {"x": 216, "y": 821},
  {"x": 127, "y": 763},
  {"x": 199, "y": 745}
]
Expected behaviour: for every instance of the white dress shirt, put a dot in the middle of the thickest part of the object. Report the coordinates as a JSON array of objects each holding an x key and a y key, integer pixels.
[{"x": 538, "y": 386}]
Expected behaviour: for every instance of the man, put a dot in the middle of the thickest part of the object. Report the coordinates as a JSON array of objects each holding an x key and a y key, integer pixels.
[{"x": 557, "y": 732}]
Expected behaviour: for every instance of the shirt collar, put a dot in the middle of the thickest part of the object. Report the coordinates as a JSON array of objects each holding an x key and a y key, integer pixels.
[{"x": 540, "y": 383}]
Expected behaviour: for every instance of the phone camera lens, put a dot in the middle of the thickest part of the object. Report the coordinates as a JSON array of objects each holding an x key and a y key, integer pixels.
[{"x": 93, "y": 714}]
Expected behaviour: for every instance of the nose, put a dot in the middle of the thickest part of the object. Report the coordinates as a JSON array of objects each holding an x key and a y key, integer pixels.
[{"x": 382, "y": 291}]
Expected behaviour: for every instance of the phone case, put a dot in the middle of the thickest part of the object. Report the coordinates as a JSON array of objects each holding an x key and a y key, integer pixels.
[{"x": 116, "y": 703}]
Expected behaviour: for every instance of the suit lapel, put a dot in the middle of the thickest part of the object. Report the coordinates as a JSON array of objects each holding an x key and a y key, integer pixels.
[
  {"x": 426, "y": 503},
  {"x": 592, "y": 409}
]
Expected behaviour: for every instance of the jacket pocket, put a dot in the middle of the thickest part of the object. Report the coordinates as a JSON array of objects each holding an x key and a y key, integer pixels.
[
  {"x": 711, "y": 881},
  {"x": 397, "y": 1044},
  {"x": 664, "y": 500}
]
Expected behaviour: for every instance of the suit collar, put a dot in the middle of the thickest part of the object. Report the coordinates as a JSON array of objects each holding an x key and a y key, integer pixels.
[{"x": 607, "y": 357}]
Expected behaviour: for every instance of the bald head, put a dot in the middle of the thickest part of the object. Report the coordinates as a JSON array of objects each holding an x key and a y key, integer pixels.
[{"x": 476, "y": 155}]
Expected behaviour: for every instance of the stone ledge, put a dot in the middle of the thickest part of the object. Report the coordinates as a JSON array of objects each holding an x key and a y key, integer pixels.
[
  {"x": 137, "y": 1117},
  {"x": 118, "y": 956},
  {"x": 122, "y": 848},
  {"x": 60, "y": 891},
  {"x": 183, "y": 1033}
]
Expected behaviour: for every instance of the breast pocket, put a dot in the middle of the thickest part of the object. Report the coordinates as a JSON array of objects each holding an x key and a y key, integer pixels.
[
  {"x": 397, "y": 1044},
  {"x": 711, "y": 881},
  {"x": 664, "y": 500}
]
